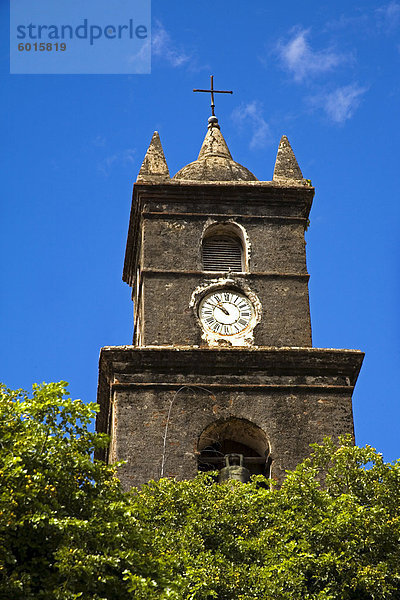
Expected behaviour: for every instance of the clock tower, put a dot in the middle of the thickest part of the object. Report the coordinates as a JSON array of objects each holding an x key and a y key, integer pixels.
[{"x": 222, "y": 359}]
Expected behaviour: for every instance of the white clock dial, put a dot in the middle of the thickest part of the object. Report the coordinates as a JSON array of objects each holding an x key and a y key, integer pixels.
[{"x": 225, "y": 312}]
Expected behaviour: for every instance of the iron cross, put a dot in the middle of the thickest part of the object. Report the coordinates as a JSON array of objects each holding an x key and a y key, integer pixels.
[{"x": 212, "y": 91}]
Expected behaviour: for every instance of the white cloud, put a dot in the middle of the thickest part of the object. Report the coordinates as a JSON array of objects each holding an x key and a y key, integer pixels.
[
  {"x": 163, "y": 47},
  {"x": 358, "y": 21},
  {"x": 340, "y": 104},
  {"x": 302, "y": 61},
  {"x": 139, "y": 62},
  {"x": 99, "y": 141},
  {"x": 385, "y": 19},
  {"x": 124, "y": 158},
  {"x": 388, "y": 17},
  {"x": 249, "y": 116}
]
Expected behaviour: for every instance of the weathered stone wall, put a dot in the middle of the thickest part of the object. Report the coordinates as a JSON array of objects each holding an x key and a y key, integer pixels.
[
  {"x": 169, "y": 264},
  {"x": 168, "y": 318},
  {"x": 174, "y": 242},
  {"x": 295, "y": 396},
  {"x": 291, "y": 421}
]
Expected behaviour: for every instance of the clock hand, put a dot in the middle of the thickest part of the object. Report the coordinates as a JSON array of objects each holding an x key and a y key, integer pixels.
[{"x": 224, "y": 310}]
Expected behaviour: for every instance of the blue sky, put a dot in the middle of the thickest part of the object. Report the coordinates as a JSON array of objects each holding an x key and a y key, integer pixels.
[{"x": 325, "y": 74}]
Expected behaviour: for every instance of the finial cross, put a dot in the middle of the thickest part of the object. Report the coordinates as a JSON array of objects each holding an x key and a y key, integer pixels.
[{"x": 212, "y": 91}]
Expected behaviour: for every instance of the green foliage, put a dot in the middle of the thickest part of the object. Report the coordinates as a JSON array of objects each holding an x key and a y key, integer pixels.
[
  {"x": 332, "y": 531},
  {"x": 51, "y": 490}
]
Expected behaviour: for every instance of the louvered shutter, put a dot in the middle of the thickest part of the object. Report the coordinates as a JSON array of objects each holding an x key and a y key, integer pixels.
[{"x": 222, "y": 254}]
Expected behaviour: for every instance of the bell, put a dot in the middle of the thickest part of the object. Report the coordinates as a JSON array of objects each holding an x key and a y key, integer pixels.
[{"x": 234, "y": 469}]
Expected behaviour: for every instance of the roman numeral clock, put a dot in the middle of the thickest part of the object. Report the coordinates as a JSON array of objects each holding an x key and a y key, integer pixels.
[
  {"x": 222, "y": 363},
  {"x": 226, "y": 313}
]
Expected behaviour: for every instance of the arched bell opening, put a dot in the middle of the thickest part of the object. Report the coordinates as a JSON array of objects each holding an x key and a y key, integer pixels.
[{"x": 234, "y": 436}]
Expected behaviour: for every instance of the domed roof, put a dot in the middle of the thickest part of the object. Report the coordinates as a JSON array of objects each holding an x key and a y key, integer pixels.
[{"x": 214, "y": 162}]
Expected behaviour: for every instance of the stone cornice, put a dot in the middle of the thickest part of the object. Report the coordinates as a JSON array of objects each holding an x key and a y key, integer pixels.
[{"x": 275, "y": 369}]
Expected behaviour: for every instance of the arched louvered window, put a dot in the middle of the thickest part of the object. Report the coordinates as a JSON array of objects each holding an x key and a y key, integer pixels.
[{"x": 222, "y": 253}]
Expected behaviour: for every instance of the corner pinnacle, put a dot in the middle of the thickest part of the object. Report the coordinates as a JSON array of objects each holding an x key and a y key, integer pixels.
[
  {"x": 154, "y": 166},
  {"x": 286, "y": 165}
]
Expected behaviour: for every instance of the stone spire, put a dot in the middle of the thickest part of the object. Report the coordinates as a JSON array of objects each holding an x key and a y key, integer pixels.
[
  {"x": 214, "y": 144},
  {"x": 286, "y": 165},
  {"x": 154, "y": 167}
]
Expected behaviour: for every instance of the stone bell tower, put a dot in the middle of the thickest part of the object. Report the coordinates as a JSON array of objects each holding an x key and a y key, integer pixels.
[{"x": 222, "y": 359}]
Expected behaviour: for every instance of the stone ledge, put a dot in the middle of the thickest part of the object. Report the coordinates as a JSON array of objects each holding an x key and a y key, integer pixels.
[
  {"x": 276, "y": 183},
  {"x": 270, "y": 368},
  {"x": 207, "y": 274},
  {"x": 267, "y": 359}
]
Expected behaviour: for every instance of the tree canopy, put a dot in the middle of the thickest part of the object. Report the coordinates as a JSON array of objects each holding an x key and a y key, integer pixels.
[{"x": 68, "y": 531}]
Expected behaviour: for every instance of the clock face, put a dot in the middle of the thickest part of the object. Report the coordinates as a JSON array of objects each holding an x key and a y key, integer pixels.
[{"x": 225, "y": 312}]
